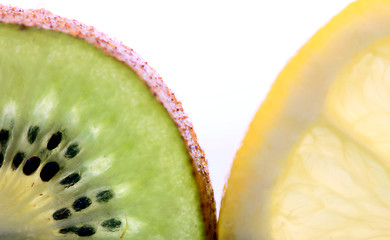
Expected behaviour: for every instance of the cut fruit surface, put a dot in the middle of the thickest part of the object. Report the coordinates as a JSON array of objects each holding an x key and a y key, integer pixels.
[
  {"x": 92, "y": 142},
  {"x": 315, "y": 161}
]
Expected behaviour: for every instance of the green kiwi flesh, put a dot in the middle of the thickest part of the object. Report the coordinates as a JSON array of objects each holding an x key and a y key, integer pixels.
[{"x": 86, "y": 150}]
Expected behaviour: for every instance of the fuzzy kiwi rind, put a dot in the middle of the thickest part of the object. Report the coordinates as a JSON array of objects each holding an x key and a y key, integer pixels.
[{"x": 43, "y": 19}]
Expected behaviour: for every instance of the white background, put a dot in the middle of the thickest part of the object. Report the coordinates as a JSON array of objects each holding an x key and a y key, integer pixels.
[{"x": 219, "y": 57}]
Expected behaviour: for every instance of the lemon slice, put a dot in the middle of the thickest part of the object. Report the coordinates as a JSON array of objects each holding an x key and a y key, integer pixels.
[{"x": 315, "y": 163}]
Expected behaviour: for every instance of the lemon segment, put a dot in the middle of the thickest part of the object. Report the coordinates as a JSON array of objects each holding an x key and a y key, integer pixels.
[
  {"x": 332, "y": 188},
  {"x": 315, "y": 161},
  {"x": 359, "y": 100}
]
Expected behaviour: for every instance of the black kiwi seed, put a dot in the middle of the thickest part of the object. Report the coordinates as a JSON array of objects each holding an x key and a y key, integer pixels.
[
  {"x": 54, "y": 140},
  {"x": 111, "y": 224},
  {"x": 71, "y": 180},
  {"x": 31, "y": 165},
  {"x": 1, "y": 159},
  {"x": 86, "y": 231},
  {"x": 104, "y": 196},
  {"x": 18, "y": 159},
  {"x": 32, "y": 134},
  {"x": 4, "y": 136},
  {"x": 49, "y": 171},
  {"x": 81, "y": 203},
  {"x": 71, "y": 229},
  {"x": 72, "y": 150},
  {"x": 62, "y": 213}
]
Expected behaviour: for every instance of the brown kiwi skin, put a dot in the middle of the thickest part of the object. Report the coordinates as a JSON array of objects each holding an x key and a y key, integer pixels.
[{"x": 46, "y": 20}]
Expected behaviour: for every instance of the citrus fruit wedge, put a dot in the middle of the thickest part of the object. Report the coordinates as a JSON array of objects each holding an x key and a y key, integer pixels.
[{"x": 315, "y": 163}]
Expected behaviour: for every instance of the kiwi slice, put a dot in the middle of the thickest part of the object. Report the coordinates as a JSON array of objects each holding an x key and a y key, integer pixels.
[{"x": 92, "y": 142}]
